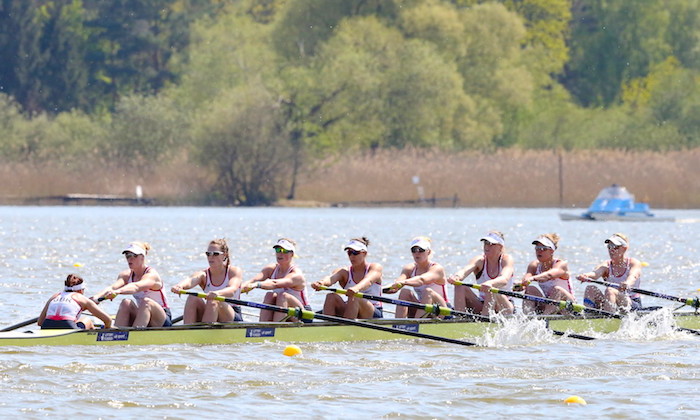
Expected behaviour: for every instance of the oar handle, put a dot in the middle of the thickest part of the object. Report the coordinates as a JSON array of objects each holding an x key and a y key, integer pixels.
[
  {"x": 693, "y": 302},
  {"x": 305, "y": 314},
  {"x": 428, "y": 308},
  {"x": 292, "y": 312}
]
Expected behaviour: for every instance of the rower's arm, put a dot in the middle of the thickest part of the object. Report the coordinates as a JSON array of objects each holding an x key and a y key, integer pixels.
[
  {"x": 401, "y": 280},
  {"x": 374, "y": 275},
  {"x": 116, "y": 285},
  {"x": 467, "y": 270},
  {"x": 327, "y": 281},
  {"x": 190, "y": 282},
  {"x": 92, "y": 307},
  {"x": 559, "y": 270},
  {"x": 264, "y": 274},
  {"x": 147, "y": 282},
  {"x": 597, "y": 273},
  {"x": 435, "y": 274}
]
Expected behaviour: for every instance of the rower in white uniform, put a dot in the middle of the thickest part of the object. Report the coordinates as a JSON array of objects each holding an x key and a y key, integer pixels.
[
  {"x": 221, "y": 278},
  {"x": 426, "y": 278},
  {"x": 360, "y": 277},
  {"x": 284, "y": 280}
]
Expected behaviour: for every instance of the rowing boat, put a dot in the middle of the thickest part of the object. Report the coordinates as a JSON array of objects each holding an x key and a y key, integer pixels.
[{"x": 253, "y": 332}]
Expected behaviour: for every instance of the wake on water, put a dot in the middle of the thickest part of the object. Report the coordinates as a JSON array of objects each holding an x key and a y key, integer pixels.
[{"x": 521, "y": 330}]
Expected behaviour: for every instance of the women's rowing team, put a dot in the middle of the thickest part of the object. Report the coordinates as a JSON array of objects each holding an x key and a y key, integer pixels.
[{"x": 422, "y": 281}]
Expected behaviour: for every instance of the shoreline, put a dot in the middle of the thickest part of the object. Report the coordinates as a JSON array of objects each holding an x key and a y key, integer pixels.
[{"x": 391, "y": 178}]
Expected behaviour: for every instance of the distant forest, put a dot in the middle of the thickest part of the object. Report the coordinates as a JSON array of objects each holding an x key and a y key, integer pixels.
[{"x": 254, "y": 90}]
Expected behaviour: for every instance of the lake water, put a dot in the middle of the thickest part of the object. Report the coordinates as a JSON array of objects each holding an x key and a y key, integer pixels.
[{"x": 519, "y": 372}]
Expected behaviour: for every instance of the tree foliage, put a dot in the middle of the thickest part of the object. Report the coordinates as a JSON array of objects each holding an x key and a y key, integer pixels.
[
  {"x": 255, "y": 90},
  {"x": 243, "y": 138}
]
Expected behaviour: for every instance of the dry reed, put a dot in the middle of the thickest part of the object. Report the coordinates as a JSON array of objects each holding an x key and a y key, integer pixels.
[
  {"x": 514, "y": 178},
  {"x": 508, "y": 178}
]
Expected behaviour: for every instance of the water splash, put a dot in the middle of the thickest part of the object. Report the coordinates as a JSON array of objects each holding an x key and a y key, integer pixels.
[
  {"x": 517, "y": 330},
  {"x": 655, "y": 325}
]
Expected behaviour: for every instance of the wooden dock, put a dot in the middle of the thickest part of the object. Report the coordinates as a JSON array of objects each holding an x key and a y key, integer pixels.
[
  {"x": 427, "y": 202},
  {"x": 90, "y": 199}
]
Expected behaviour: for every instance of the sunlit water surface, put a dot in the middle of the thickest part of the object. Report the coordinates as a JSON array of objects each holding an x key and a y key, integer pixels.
[{"x": 519, "y": 371}]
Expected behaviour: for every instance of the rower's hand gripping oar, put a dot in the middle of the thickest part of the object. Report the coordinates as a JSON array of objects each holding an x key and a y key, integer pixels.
[
  {"x": 428, "y": 308},
  {"x": 440, "y": 310},
  {"x": 304, "y": 314},
  {"x": 561, "y": 304},
  {"x": 692, "y": 302}
]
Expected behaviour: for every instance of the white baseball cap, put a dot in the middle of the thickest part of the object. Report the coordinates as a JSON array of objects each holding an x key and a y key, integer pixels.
[
  {"x": 285, "y": 244},
  {"x": 616, "y": 240},
  {"x": 421, "y": 243},
  {"x": 134, "y": 249},
  {"x": 543, "y": 240},
  {"x": 355, "y": 245},
  {"x": 493, "y": 238}
]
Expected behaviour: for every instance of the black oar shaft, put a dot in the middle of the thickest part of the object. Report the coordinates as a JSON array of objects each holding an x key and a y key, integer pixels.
[
  {"x": 694, "y": 302},
  {"x": 300, "y": 313},
  {"x": 20, "y": 325}
]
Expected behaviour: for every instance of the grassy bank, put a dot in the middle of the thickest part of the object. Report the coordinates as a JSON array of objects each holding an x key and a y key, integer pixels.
[{"x": 505, "y": 178}]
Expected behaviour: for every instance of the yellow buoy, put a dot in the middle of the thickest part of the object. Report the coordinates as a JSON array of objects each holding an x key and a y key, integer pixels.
[
  {"x": 291, "y": 350},
  {"x": 575, "y": 399},
  {"x": 645, "y": 264},
  {"x": 78, "y": 265}
]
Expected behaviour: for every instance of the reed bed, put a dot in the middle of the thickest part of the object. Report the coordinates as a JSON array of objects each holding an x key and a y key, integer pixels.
[
  {"x": 506, "y": 178},
  {"x": 176, "y": 182}
]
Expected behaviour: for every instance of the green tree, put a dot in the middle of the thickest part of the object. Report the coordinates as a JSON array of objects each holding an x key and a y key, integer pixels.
[
  {"x": 144, "y": 131},
  {"x": 242, "y": 139},
  {"x": 22, "y": 57},
  {"x": 614, "y": 41},
  {"x": 547, "y": 28},
  {"x": 306, "y": 24},
  {"x": 64, "y": 74}
]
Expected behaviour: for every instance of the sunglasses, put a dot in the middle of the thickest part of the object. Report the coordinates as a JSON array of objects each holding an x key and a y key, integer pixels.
[
  {"x": 213, "y": 253},
  {"x": 279, "y": 250},
  {"x": 613, "y": 246},
  {"x": 416, "y": 249},
  {"x": 541, "y": 248},
  {"x": 130, "y": 255},
  {"x": 353, "y": 252}
]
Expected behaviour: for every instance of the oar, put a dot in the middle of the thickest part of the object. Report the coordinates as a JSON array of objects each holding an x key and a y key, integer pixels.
[
  {"x": 693, "y": 302},
  {"x": 304, "y": 314},
  {"x": 440, "y": 310},
  {"x": 563, "y": 304},
  {"x": 20, "y": 325}
]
